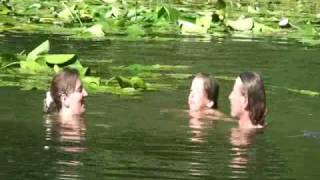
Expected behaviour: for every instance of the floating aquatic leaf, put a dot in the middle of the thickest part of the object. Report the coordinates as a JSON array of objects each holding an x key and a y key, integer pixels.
[
  {"x": 41, "y": 49},
  {"x": 123, "y": 82},
  {"x": 78, "y": 66},
  {"x": 120, "y": 91},
  {"x": 114, "y": 12},
  {"x": 191, "y": 28},
  {"x": 32, "y": 67},
  {"x": 91, "y": 80},
  {"x": 134, "y": 82},
  {"x": 253, "y": 10},
  {"x": 59, "y": 58},
  {"x": 96, "y": 31},
  {"x": 110, "y": 1},
  {"x": 261, "y": 28},
  {"x": 168, "y": 13},
  {"x": 135, "y": 30},
  {"x": 241, "y": 24},
  {"x": 305, "y": 92},
  {"x": 138, "y": 83},
  {"x": 204, "y": 21},
  {"x": 66, "y": 15}
]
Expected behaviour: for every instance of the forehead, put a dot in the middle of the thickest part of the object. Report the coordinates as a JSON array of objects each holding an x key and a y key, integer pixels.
[
  {"x": 238, "y": 83},
  {"x": 197, "y": 82}
]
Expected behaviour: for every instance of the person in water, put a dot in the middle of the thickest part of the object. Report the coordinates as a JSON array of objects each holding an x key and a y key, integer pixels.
[
  {"x": 248, "y": 101},
  {"x": 204, "y": 94},
  {"x": 66, "y": 95}
]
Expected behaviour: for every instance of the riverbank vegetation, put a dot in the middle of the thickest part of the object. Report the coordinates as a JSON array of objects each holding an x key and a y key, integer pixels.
[
  {"x": 134, "y": 20},
  {"x": 34, "y": 70},
  {"x": 285, "y": 19}
]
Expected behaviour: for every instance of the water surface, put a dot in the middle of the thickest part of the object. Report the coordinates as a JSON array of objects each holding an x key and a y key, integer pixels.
[{"x": 151, "y": 137}]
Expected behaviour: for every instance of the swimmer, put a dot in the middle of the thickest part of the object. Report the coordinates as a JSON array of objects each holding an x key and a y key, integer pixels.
[
  {"x": 66, "y": 95},
  {"x": 203, "y": 96},
  {"x": 248, "y": 101}
]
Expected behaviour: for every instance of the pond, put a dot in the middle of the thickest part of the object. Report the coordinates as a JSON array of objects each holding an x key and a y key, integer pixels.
[{"x": 151, "y": 137}]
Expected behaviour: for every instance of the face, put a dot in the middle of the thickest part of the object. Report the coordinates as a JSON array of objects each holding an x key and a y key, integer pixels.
[
  {"x": 198, "y": 97},
  {"x": 236, "y": 99},
  {"x": 77, "y": 99}
]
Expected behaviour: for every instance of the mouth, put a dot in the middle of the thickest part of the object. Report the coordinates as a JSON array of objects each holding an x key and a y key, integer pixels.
[{"x": 82, "y": 101}]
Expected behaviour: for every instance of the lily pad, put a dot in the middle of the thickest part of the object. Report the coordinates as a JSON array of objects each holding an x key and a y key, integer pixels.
[
  {"x": 59, "y": 58},
  {"x": 169, "y": 13},
  {"x": 241, "y": 24},
  {"x": 134, "y": 82},
  {"x": 96, "y": 31},
  {"x": 135, "y": 30},
  {"x": 41, "y": 49}
]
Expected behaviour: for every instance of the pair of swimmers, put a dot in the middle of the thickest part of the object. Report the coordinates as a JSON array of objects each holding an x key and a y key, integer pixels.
[{"x": 247, "y": 99}]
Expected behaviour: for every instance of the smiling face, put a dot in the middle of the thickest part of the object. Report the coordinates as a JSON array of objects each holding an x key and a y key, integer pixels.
[
  {"x": 76, "y": 99},
  {"x": 198, "y": 98},
  {"x": 236, "y": 99}
]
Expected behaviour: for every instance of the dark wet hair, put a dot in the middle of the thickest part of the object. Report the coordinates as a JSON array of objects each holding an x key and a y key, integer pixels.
[
  {"x": 211, "y": 88},
  {"x": 62, "y": 83},
  {"x": 253, "y": 88}
]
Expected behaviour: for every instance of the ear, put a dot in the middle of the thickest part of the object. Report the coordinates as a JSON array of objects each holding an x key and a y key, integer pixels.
[
  {"x": 65, "y": 101},
  {"x": 245, "y": 102},
  {"x": 210, "y": 104}
]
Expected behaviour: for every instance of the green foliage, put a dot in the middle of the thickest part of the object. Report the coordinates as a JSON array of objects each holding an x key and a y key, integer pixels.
[
  {"x": 43, "y": 48},
  {"x": 35, "y": 69},
  {"x": 57, "y": 59},
  {"x": 134, "y": 82},
  {"x": 140, "y": 19}
]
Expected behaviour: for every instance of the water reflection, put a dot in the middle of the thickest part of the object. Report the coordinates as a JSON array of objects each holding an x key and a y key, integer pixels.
[
  {"x": 67, "y": 139},
  {"x": 240, "y": 140},
  {"x": 199, "y": 124}
]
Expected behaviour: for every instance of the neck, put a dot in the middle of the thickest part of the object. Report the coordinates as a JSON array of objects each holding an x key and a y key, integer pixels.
[
  {"x": 245, "y": 122},
  {"x": 65, "y": 114}
]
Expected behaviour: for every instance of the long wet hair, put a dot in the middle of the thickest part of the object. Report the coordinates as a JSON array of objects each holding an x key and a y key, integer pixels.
[
  {"x": 253, "y": 89},
  {"x": 211, "y": 88},
  {"x": 62, "y": 83}
]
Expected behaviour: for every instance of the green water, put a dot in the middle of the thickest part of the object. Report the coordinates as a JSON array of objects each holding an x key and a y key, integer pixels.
[{"x": 151, "y": 137}]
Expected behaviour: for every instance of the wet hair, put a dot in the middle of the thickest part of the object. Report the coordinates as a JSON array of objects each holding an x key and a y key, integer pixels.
[
  {"x": 62, "y": 83},
  {"x": 211, "y": 88},
  {"x": 253, "y": 88}
]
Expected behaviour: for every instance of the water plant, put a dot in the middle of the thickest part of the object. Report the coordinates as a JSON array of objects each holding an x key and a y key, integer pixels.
[
  {"x": 138, "y": 19},
  {"x": 35, "y": 69}
]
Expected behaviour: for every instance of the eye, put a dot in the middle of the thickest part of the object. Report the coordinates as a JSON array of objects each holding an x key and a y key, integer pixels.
[{"x": 79, "y": 89}]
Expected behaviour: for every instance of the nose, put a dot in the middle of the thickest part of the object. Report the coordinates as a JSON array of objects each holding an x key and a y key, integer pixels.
[
  {"x": 230, "y": 96},
  {"x": 84, "y": 92}
]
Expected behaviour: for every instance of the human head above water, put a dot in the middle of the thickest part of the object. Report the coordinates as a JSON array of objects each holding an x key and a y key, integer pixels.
[
  {"x": 67, "y": 92},
  {"x": 204, "y": 92},
  {"x": 248, "y": 99}
]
